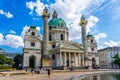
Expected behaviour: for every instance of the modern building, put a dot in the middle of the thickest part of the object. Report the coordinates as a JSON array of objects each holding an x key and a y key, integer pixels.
[
  {"x": 106, "y": 57},
  {"x": 55, "y": 49}
]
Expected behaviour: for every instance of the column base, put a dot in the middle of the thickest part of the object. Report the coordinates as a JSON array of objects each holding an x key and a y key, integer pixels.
[{"x": 46, "y": 61}]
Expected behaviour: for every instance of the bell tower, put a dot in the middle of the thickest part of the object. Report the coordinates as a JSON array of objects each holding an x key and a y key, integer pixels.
[{"x": 32, "y": 48}]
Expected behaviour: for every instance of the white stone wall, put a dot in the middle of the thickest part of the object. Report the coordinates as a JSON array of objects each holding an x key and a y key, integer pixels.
[
  {"x": 32, "y": 50},
  {"x": 106, "y": 56},
  {"x": 27, "y": 57},
  {"x": 28, "y": 45},
  {"x": 55, "y": 33}
]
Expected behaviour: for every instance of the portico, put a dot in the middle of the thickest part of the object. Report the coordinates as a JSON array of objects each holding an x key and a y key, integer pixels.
[{"x": 74, "y": 59}]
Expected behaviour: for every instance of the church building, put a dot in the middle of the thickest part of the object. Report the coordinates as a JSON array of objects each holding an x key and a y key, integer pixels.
[{"x": 55, "y": 50}]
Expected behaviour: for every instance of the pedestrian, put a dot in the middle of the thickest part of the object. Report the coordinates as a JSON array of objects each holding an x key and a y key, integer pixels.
[
  {"x": 49, "y": 72},
  {"x": 32, "y": 71},
  {"x": 26, "y": 69}
]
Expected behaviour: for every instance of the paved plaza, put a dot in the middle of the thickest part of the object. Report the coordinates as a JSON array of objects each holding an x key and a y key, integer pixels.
[{"x": 55, "y": 75}]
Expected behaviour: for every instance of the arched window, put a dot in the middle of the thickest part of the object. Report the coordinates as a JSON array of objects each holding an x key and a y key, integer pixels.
[
  {"x": 53, "y": 56},
  {"x": 92, "y": 49},
  {"x": 50, "y": 27},
  {"x": 91, "y": 41},
  {"x": 33, "y": 33},
  {"x": 62, "y": 25},
  {"x": 61, "y": 37},
  {"x": 50, "y": 37},
  {"x": 53, "y": 46},
  {"x": 32, "y": 44}
]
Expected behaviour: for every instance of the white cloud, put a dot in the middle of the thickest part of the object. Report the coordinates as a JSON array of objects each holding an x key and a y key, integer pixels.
[
  {"x": 38, "y": 28},
  {"x": 14, "y": 41},
  {"x": 111, "y": 43},
  {"x": 12, "y": 31},
  {"x": 101, "y": 47},
  {"x": 1, "y": 37},
  {"x": 92, "y": 20},
  {"x": 70, "y": 11},
  {"x": 37, "y": 6},
  {"x": 25, "y": 28},
  {"x": 100, "y": 35},
  {"x": 11, "y": 40},
  {"x": 1, "y": 12},
  {"x": 7, "y": 14}
]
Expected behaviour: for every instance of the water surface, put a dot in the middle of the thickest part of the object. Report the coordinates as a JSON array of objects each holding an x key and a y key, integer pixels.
[{"x": 109, "y": 76}]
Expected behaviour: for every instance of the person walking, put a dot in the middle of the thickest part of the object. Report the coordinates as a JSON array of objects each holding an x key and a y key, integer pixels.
[
  {"x": 49, "y": 72},
  {"x": 32, "y": 71}
]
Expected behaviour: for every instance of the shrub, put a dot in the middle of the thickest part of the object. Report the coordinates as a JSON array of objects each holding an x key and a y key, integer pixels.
[{"x": 5, "y": 67}]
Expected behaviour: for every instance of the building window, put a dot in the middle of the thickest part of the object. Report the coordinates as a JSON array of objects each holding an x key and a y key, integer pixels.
[
  {"x": 50, "y": 37},
  {"x": 53, "y": 46},
  {"x": 32, "y": 44},
  {"x": 92, "y": 49},
  {"x": 61, "y": 37},
  {"x": 53, "y": 56},
  {"x": 33, "y": 33},
  {"x": 62, "y": 25},
  {"x": 91, "y": 41},
  {"x": 50, "y": 27}
]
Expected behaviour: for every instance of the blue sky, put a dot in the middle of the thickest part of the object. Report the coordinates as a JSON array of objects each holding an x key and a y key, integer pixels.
[{"x": 103, "y": 20}]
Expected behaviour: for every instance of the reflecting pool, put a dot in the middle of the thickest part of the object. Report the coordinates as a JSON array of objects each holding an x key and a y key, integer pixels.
[{"x": 110, "y": 76}]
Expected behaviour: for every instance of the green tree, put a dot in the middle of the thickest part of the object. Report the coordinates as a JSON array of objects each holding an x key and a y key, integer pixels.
[
  {"x": 116, "y": 59},
  {"x": 3, "y": 59},
  {"x": 18, "y": 59},
  {"x": 10, "y": 61}
]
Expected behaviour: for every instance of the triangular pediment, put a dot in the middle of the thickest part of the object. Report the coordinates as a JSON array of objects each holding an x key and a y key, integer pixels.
[{"x": 72, "y": 46}]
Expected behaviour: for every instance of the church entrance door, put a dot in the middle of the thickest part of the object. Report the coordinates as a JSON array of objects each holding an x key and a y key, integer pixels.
[
  {"x": 32, "y": 61},
  {"x": 93, "y": 63}
]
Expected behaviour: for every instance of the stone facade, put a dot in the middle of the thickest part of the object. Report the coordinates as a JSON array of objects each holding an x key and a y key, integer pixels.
[
  {"x": 61, "y": 51},
  {"x": 32, "y": 47},
  {"x": 106, "y": 57}
]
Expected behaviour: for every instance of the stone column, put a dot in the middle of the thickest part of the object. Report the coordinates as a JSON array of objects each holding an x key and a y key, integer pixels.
[
  {"x": 45, "y": 17},
  {"x": 24, "y": 60},
  {"x": 69, "y": 60},
  {"x": 60, "y": 59},
  {"x": 27, "y": 61},
  {"x": 74, "y": 59},
  {"x": 79, "y": 60},
  {"x": 64, "y": 58},
  {"x": 83, "y": 60},
  {"x": 83, "y": 24}
]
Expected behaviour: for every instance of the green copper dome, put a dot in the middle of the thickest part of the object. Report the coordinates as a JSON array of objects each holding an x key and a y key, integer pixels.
[
  {"x": 89, "y": 35},
  {"x": 57, "y": 22},
  {"x": 34, "y": 27}
]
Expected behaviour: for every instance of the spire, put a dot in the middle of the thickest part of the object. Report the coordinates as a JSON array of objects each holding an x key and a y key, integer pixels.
[{"x": 54, "y": 14}]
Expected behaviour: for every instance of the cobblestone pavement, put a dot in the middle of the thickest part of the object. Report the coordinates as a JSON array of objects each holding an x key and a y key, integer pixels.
[{"x": 55, "y": 75}]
